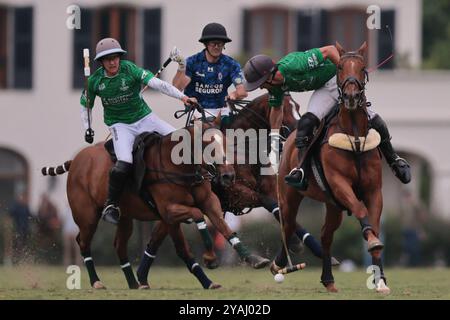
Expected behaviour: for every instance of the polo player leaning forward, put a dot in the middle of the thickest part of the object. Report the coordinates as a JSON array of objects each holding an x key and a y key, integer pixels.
[{"x": 314, "y": 69}]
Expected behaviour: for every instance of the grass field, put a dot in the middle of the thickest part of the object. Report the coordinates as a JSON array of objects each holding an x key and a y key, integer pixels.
[{"x": 239, "y": 283}]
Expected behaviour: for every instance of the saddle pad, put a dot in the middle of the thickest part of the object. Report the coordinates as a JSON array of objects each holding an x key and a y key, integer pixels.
[{"x": 347, "y": 142}]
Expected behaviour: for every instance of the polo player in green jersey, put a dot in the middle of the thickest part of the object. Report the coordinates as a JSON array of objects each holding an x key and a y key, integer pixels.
[
  {"x": 314, "y": 69},
  {"x": 118, "y": 83}
]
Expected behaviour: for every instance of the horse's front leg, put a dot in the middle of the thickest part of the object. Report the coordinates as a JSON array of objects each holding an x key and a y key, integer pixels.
[
  {"x": 374, "y": 203},
  {"x": 333, "y": 220},
  {"x": 183, "y": 251},
  {"x": 210, "y": 205},
  {"x": 177, "y": 213},
  {"x": 345, "y": 195}
]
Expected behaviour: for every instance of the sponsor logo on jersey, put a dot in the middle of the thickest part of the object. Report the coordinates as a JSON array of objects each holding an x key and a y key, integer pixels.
[
  {"x": 124, "y": 86},
  {"x": 199, "y": 74},
  {"x": 208, "y": 88}
]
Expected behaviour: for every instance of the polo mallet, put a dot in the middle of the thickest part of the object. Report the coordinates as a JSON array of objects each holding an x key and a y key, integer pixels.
[
  {"x": 165, "y": 64},
  {"x": 87, "y": 73},
  {"x": 389, "y": 57},
  {"x": 291, "y": 267}
]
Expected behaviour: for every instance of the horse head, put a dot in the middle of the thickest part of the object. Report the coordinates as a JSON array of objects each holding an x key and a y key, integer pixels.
[
  {"x": 213, "y": 150},
  {"x": 352, "y": 77}
]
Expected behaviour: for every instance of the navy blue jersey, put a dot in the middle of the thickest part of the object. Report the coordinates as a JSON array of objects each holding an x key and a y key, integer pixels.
[{"x": 210, "y": 81}]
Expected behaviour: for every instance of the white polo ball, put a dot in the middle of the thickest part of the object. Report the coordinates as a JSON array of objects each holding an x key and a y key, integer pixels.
[{"x": 279, "y": 278}]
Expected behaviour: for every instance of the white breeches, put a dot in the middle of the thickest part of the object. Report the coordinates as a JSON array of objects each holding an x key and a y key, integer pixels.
[
  {"x": 323, "y": 100},
  {"x": 123, "y": 135}
]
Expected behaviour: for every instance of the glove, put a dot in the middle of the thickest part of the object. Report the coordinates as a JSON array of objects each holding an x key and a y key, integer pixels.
[
  {"x": 89, "y": 135},
  {"x": 176, "y": 56}
]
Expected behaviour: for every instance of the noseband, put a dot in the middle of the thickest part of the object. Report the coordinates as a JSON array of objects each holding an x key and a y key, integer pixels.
[{"x": 353, "y": 80}]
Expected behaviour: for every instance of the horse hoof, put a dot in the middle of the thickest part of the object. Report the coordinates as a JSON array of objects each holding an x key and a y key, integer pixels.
[
  {"x": 257, "y": 262},
  {"x": 274, "y": 268},
  {"x": 331, "y": 288},
  {"x": 213, "y": 286},
  {"x": 98, "y": 285},
  {"x": 375, "y": 245},
  {"x": 334, "y": 262},
  {"x": 210, "y": 262},
  {"x": 382, "y": 287},
  {"x": 143, "y": 287}
]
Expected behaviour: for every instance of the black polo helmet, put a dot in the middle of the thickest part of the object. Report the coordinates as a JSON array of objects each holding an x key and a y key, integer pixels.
[
  {"x": 257, "y": 70},
  {"x": 214, "y": 31}
]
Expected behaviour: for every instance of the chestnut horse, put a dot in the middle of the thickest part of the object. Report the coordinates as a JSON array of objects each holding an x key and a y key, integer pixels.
[
  {"x": 353, "y": 175},
  {"x": 251, "y": 189},
  {"x": 180, "y": 192}
]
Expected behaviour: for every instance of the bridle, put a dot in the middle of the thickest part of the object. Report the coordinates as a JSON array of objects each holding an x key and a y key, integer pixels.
[{"x": 352, "y": 80}]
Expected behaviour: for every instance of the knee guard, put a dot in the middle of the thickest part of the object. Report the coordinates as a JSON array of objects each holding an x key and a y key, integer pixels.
[{"x": 305, "y": 128}]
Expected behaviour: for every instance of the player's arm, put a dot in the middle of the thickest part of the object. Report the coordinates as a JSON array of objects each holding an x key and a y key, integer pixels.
[{"x": 330, "y": 52}]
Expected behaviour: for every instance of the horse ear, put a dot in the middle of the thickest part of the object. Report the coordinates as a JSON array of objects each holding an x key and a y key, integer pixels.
[
  {"x": 362, "y": 50},
  {"x": 218, "y": 119},
  {"x": 339, "y": 48}
]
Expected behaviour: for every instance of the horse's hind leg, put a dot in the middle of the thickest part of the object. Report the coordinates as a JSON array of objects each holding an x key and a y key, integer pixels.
[
  {"x": 123, "y": 234},
  {"x": 159, "y": 233},
  {"x": 333, "y": 220},
  {"x": 180, "y": 213},
  {"x": 84, "y": 239},
  {"x": 184, "y": 253}
]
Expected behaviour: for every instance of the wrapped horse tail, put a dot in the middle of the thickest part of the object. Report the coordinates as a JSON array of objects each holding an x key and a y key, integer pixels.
[{"x": 53, "y": 171}]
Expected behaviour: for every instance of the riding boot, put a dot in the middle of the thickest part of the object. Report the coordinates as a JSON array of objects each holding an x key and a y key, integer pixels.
[
  {"x": 117, "y": 178},
  {"x": 399, "y": 166},
  {"x": 305, "y": 127}
]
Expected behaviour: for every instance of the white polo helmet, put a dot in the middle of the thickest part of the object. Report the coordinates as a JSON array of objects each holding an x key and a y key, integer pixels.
[{"x": 106, "y": 47}]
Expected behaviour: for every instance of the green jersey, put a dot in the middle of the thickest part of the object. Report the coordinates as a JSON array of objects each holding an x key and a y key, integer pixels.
[
  {"x": 302, "y": 71},
  {"x": 121, "y": 99}
]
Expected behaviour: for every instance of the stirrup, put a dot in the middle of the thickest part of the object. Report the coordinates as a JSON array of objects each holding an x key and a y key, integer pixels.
[
  {"x": 111, "y": 214},
  {"x": 295, "y": 170}
]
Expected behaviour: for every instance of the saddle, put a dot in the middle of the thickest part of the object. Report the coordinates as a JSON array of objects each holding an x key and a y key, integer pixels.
[{"x": 141, "y": 143}]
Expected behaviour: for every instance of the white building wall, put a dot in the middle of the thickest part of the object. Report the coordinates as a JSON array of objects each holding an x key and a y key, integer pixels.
[{"x": 43, "y": 124}]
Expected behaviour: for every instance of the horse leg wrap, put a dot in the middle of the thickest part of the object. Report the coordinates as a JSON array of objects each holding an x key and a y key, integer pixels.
[
  {"x": 309, "y": 241},
  {"x": 89, "y": 263},
  {"x": 204, "y": 233},
  {"x": 377, "y": 262},
  {"x": 197, "y": 271},
  {"x": 365, "y": 226},
  {"x": 128, "y": 272},
  {"x": 327, "y": 275},
  {"x": 242, "y": 250},
  {"x": 144, "y": 267}
]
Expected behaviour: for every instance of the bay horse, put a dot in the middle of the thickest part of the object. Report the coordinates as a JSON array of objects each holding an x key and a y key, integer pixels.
[
  {"x": 180, "y": 192},
  {"x": 351, "y": 168},
  {"x": 251, "y": 189}
]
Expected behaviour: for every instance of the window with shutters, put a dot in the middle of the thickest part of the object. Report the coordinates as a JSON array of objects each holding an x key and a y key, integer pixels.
[
  {"x": 268, "y": 30},
  {"x": 138, "y": 31},
  {"x": 16, "y": 47},
  {"x": 319, "y": 27}
]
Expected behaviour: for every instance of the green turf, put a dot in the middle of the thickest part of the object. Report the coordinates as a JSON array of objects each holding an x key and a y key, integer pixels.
[{"x": 42, "y": 282}]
